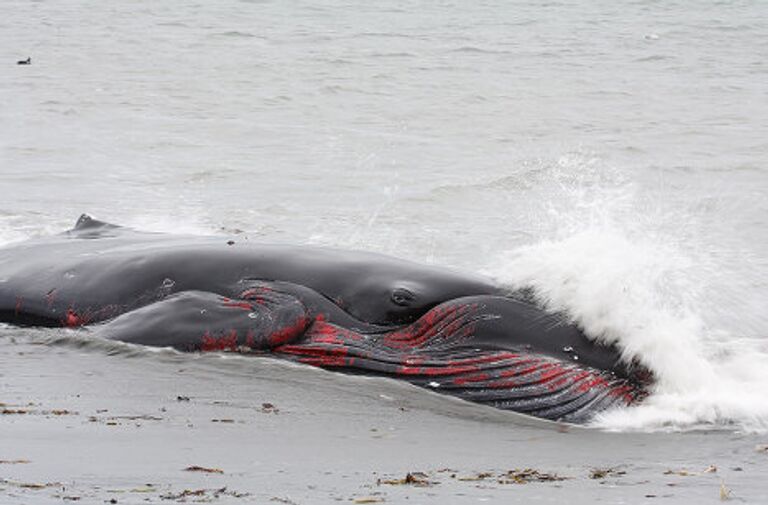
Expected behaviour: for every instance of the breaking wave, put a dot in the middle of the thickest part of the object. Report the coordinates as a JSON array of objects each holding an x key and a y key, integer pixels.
[{"x": 628, "y": 278}]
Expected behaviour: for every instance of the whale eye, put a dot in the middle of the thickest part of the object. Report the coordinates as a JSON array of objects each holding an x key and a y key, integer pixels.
[{"x": 402, "y": 297}]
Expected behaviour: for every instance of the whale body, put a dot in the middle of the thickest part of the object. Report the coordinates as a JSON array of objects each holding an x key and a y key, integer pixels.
[{"x": 349, "y": 311}]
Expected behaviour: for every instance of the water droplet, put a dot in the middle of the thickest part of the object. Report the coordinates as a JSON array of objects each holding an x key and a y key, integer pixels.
[
  {"x": 253, "y": 315},
  {"x": 568, "y": 349},
  {"x": 168, "y": 283},
  {"x": 434, "y": 384},
  {"x": 575, "y": 357},
  {"x": 69, "y": 275}
]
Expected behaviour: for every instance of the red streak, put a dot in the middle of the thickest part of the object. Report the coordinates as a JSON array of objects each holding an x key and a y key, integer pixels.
[
  {"x": 624, "y": 392},
  {"x": 436, "y": 371},
  {"x": 501, "y": 356},
  {"x": 237, "y": 305},
  {"x": 481, "y": 377},
  {"x": 287, "y": 334},
  {"x": 72, "y": 319},
  {"x": 227, "y": 342},
  {"x": 250, "y": 339},
  {"x": 596, "y": 381}
]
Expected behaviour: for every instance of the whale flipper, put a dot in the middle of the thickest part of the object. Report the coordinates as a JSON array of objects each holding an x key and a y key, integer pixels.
[{"x": 204, "y": 321}]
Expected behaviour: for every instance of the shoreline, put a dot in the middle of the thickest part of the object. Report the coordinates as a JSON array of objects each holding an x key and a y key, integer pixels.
[{"x": 165, "y": 427}]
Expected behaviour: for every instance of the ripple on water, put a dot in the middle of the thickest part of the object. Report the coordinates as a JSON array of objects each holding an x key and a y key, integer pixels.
[{"x": 236, "y": 34}]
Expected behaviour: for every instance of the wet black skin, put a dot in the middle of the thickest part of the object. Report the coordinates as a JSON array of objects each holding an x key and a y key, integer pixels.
[
  {"x": 97, "y": 265},
  {"x": 150, "y": 285}
]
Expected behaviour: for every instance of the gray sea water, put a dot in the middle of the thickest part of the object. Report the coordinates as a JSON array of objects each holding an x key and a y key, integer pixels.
[{"x": 613, "y": 155}]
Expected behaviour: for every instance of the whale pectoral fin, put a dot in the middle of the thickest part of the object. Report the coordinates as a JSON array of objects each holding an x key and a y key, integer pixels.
[{"x": 204, "y": 321}]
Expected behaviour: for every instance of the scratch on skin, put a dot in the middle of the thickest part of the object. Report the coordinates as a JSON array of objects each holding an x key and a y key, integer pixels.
[{"x": 50, "y": 297}]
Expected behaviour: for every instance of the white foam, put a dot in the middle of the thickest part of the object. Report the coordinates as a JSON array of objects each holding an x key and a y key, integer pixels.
[
  {"x": 637, "y": 296},
  {"x": 188, "y": 224},
  {"x": 627, "y": 278},
  {"x": 20, "y": 227}
]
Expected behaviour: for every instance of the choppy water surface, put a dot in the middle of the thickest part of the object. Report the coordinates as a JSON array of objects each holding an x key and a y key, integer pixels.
[{"x": 611, "y": 154}]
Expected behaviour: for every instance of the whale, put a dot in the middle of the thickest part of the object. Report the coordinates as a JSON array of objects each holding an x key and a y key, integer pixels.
[{"x": 356, "y": 312}]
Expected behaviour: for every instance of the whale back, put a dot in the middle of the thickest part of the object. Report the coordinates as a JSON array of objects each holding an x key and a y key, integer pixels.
[{"x": 101, "y": 269}]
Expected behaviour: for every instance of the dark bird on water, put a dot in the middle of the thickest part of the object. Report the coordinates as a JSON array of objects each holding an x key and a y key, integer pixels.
[{"x": 28, "y": 61}]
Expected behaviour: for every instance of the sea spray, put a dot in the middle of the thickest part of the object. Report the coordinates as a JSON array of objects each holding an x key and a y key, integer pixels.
[
  {"x": 645, "y": 295},
  {"x": 635, "y": 267}
]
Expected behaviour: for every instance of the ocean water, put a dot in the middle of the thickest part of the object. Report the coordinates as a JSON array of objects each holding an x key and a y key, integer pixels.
[{"x": 611, "y": 155}]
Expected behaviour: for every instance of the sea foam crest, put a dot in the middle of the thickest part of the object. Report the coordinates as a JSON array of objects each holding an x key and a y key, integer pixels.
[{"x": 625, "y": 279}]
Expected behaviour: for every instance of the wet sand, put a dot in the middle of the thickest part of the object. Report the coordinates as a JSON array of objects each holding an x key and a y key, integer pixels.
[{"x": 96, "y": 423}]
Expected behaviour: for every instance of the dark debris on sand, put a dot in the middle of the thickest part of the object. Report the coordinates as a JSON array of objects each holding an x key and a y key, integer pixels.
[
  {"x": 419, "y": 479},
  {"x": 202, "y": 494},
  {"x": 203, "y": 469},
  {"x": 604, "y": 473},
  {"x": 516, "y": 476}
]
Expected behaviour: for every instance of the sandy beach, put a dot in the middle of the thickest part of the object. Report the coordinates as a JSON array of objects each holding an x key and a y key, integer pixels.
[{"x": 118, "y": 424}]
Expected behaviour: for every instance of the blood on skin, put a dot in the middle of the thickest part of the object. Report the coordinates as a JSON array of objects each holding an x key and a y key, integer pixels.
[
  {"x": 237, "y": 305},
  {"x": 327, "y": 361},
  {"x": 541, "y": 368},
  {"x": 547, "y": 376},
  {"x": 451, "y": 320},
  {"x": 595, "y": 381},
  {"x": 625, "y": 392},
  {"x": 255, "y": 294},
  {"x": 504, "y": 384},
  {"x": 481, "y": 377},
  {"x": 437, "y": 370},
  {"x": 226, "y": 342},
  {"x": 257, "y": 291},
  {"x": 555, "y": 384},
  {"x": 500, "y": 356},
  {"x": 333, "y": 357},
  {"x": 514, "y": 372},
  {"x": 328, "y": 333},
  {"x": 250, "y": 339},
  {"x": 73, "y": 319},
  {"x": 583, "y": 374},
  {"x": 288, "y": 333},
  {"x": 455, "y": 366}
]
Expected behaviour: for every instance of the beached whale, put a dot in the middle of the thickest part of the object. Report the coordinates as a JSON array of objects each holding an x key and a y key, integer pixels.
[{"x": 357, "y": 312}]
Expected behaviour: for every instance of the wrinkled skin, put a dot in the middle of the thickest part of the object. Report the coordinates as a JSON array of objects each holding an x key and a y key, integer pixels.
[{"x": 351, "y": 311}]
